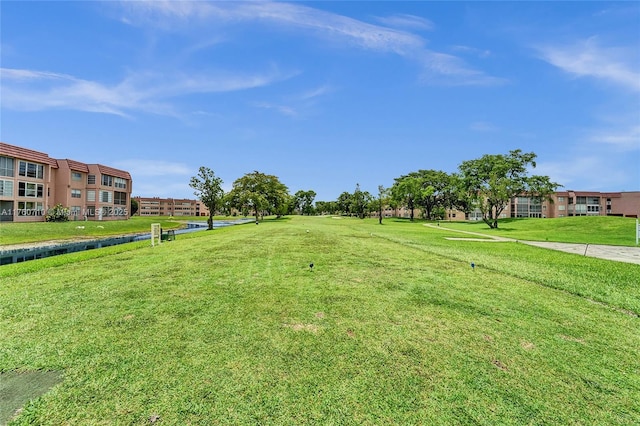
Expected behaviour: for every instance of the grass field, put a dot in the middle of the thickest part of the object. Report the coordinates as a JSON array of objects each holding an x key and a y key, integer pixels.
[
  {"x": 391, "y": 326},
  {"x": 14, "y": 233},
  {"x": 610, "y": 230}
]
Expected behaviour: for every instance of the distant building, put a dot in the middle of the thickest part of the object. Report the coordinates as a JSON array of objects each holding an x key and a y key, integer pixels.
[
  {"x": 566, "y": 203},
  {"x": 155, "y": 206},
  {"x": 31, "y": 183}
]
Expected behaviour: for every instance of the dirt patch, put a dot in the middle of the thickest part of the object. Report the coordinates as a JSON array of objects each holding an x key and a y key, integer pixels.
[
  {"x": 572, "y": 339},
  {"x": 320, "y": 315},
  {"x": 527, "y": 345},
  {"x": 350, "y": 333},
  {"x": 499, "y": 364}
]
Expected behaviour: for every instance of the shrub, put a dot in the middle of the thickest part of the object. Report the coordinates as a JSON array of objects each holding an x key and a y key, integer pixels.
[{"x": 58, "y": 214}]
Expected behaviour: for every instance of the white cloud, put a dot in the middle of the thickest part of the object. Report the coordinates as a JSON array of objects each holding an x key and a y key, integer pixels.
[
  {"x": 184, "y": 16},
  {"x": 627, "y": 139},
  {"x": 584, "y": 172},
  {"x": 589, "y": 59},
  {"x": 442, "y": 68},
  {"x": 482, "y": 53},
  {"x": 283, "y": 109},
  {"x": 483, "y": 126},
  {"x": 402, "y": 20},
  {"x": 39, "y": 90}
]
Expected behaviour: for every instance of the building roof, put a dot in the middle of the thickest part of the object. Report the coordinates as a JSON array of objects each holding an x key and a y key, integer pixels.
[
  {"x": 77, "y": 165},
  {"x": 113, "y": 172},
  {"x": 26, "y": 154}
]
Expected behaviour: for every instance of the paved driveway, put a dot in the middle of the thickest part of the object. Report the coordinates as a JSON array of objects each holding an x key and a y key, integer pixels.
[{"x": 617, "y": 253}]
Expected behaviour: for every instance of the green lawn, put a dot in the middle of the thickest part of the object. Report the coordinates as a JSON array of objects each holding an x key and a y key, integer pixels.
[
  {"x": 584, "y": 229},
  {"x": 391, "y": 326},
  {"x": 14, "y": 233}
]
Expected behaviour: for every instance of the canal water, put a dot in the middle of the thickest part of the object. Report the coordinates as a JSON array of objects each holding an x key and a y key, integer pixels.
[{"x": 8, "y": 256}]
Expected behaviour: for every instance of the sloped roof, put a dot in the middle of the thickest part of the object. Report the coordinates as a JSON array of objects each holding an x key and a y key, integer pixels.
[
  {"x": 26, "y": 154},
  {"x": 113, "y": 172},
  {"x": 77, "y": 166}
]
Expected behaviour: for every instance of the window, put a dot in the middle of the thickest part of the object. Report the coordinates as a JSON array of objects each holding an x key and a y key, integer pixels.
[
  {"x": 91, "y": 211},
  {"x": 28, "y": 189},
  {"x": 107, "y": 180},
  {"x": 91, "y": 179},
  {"x": 120, "y": 198},
  {"x": 76, "y": 193},
  {"x": 120, "y": 183},
  {"x": 30, "y": 208},
  {"x": 560, "y": 208},
  {"x": 91, "y": 195},
  {"x": 6, "y": 188},
  {"x": 561, "y": 199},
  {"x": 76, "y": 176},
  {"x": 106, "y": 196},
  {"x": 31, "y": 170},
  {"x": 74, "y": 211},
  {"x": 6, "y": 166}
]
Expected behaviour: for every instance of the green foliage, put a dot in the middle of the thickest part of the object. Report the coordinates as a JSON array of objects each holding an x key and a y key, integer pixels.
[
  {"x": 407, "y": 190},
  {"x": 492, "y": 180},
  {"x": 303, "y": 202},
  {"x": 57, "y": 214},
  {"x": 134, "y": 207},
  {"x": 208, "y": 188},
  {"x": 259, "y": 193}
]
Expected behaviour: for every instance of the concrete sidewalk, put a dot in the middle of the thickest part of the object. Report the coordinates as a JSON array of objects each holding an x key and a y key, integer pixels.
[{"x": 617, "y": 253}]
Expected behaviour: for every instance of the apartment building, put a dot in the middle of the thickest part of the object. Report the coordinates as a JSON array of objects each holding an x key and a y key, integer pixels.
[
  {"x": 155, "y": 206},
  {"x": 588, "y": 203},
  {"x": 31, "y": 183},
  {"x": 568, "y": 203}
]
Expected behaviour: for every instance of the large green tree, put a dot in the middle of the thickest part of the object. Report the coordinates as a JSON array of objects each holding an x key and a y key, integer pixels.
[
  {"x": 259, "y": 193},
  {"x": 208, "y": 188},
  {"x": 407, "y": 190},
  {"x": 433, "y": 190},
  {"x": 303, "y": 201},
  {"x": 492, "y": 180},
  {"x": 360, "y": 202}
]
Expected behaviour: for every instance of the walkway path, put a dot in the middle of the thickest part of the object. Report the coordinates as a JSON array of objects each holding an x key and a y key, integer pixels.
[{"x": 617, "y": 253}]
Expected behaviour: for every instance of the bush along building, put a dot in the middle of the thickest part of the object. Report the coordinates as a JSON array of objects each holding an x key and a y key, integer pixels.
[{"x": 32, "y": 183}]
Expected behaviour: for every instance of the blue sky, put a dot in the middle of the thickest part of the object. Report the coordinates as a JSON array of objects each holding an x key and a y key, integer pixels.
[{"x": 324, "y": 95}]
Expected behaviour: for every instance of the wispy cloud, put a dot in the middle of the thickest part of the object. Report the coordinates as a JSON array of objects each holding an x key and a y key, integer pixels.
[
  {"x": 626, "y": 139},
  {"x": 342, "y": 30},
  {"x": 149, "y": 92},
  {"x": 442, "y": 68},
  {"x": 589, "y": 59},
  {"x": 578, "y": 173},
  {"x": 314, "y": 93},
  {"x": 283, "y": 109},
  {"x": 483, "y": 126},
  {"x": 402, "y": 20},
  {"x": 482, "y": 53}
]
